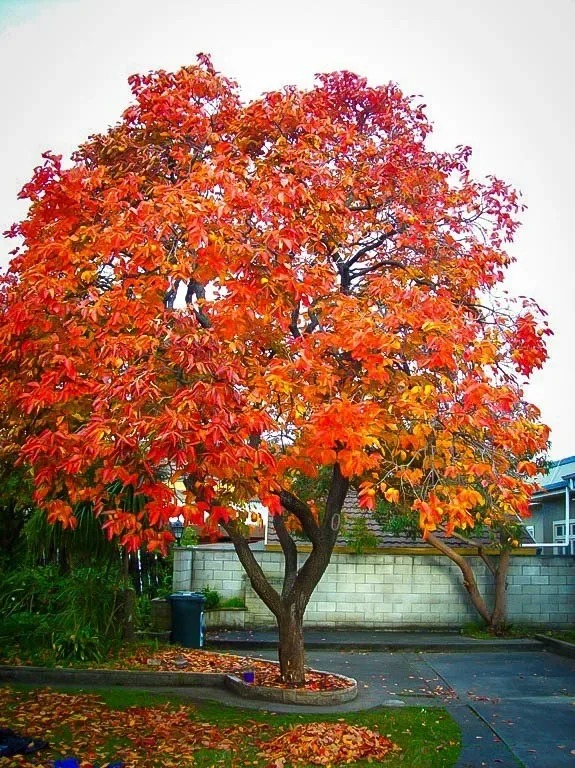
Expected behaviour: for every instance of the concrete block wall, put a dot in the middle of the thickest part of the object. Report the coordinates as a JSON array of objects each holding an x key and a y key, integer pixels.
[
  {"x": 182, "y": 569},
  {"x": 397, "y": 590},
  {"x": 542, "y": 589}
]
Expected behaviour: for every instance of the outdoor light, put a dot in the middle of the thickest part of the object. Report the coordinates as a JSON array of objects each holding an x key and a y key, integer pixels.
[{"x": 177, "y": 527}]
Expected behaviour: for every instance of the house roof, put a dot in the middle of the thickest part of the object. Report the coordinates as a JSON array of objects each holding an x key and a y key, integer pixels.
[
  {"x": 559, "y": 476},
  {"x": 351, "y": 511}
]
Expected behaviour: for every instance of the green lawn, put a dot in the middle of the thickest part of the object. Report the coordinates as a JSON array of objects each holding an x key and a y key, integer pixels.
[{"x": 149, "y": 730}]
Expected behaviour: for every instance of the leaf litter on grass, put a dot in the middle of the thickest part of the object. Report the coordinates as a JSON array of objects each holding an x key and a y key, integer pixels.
[
  {"x": 83, "y": 725},
  {"x": 326, "y": 744},
  {"x": 185, "y": 660}
]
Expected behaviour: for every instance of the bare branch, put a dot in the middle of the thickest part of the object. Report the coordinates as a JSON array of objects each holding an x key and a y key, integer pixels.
[
  {"x": 196, "y": 291},
  {"x": 255, "y": 573}
]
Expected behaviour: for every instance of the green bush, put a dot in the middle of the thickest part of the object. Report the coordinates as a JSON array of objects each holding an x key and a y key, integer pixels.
[
  {"x": 358, "y": 536},
  {"x": 166, "y": 585},
  {"x": 232, "y": 602},
  {"x": 213, "y": 598},
  {"x": 189, "y": 537},
  {"x": 26, "y": 629},
  {"x": 70, "y": 613},
  {"x": 143, "y": 612},
  {"x": 34, "y": 589}
]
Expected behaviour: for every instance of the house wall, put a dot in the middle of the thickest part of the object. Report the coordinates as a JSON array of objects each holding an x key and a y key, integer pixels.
[
  {"x": 544, "y": 515},
  {"x": 396, "y": 590},
  {"x": 553, "y": 510}
]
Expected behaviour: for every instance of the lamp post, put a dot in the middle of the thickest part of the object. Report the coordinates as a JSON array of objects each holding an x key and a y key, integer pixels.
[
  {"x": 177, "y": 527},
  {"x": 182, "y": 571}
]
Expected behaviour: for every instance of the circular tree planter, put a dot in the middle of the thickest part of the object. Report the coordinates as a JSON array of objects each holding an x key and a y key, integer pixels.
[{"x": 293, "y": 695}]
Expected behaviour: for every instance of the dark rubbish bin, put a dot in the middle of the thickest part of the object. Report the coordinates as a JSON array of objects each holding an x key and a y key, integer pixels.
[{"x": 188, "y": 619}]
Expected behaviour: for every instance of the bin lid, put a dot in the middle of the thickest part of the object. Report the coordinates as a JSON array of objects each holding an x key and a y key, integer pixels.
[{"x": 192, "y": 596}]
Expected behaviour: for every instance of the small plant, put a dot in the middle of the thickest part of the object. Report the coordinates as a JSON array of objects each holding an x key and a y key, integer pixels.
[
  {"x": 232, "y": 602},
  {"x": 189, "y": 537},
  {"x": 359, "y": 537},
  {"x": 78, "y": 646},
  {"x": 213, "y": 598},
  {"x": 143, "y": 612}
]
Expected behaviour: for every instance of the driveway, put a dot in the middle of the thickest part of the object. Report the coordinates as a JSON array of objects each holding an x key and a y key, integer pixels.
[
  {"x": 526, "y": 699},
  {"x": 513, "y": 707}
]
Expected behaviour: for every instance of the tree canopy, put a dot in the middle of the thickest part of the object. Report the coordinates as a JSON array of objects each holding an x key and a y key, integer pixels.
[{"x": 226, "y": 295}]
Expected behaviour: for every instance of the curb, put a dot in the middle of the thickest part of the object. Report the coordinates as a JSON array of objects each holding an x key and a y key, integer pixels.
[
  {"x": 110, "y": 677},
  {"x": 143, "y": 679},
  {"x": 422, "y": 646},
  {"x": 560, "y": 647}
]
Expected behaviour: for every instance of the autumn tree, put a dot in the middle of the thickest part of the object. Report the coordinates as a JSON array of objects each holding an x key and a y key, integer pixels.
[{"x": 226, "y": 294}]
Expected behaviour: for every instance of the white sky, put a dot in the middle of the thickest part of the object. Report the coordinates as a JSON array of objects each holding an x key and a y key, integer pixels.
[{"x": 497, "y": 75}]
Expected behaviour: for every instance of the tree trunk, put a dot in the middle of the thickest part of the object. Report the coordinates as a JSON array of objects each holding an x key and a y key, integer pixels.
[
  {"x": 128, "y": 598},
  {"x": 291, "y": 646},
  {"x": 499, "y": 613},
  {"x": 289, "y": 606},
  {"x": 469, "y": 581},
  {"x": 496, "y": 619}
]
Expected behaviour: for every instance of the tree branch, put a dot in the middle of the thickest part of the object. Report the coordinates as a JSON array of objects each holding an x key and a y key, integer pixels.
[
  {"x": 376, "y": 243},
  {"x": 469, "y": 581},
  {"x": 314, "y": 567},
  {"x": 290, "y": 554},
  {"x": 257, "y": 577},
  {"x": 334, "y": 504},
  {"x": 311, "y": 326},
  {"x": 292, "y": 504},
  {"x": 197, "y": 291}
]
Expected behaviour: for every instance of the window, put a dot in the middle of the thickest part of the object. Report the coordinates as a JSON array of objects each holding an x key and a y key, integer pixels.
[{"x": 559, "y": 536}]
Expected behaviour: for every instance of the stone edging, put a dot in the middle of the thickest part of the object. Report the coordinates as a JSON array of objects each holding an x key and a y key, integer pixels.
[
  {"x": 143, "y": 678},
  {"x": 293, "y": 695},
  {"x": 560, "y": 647},
  {"x": 104, "y": 677}
]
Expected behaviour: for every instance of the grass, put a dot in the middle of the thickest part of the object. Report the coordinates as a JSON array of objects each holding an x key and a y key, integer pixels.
[
  {"x": 567, "y": 635},
  {"x": 149, "y": 730},
  {"x": 480, "y": 632}
]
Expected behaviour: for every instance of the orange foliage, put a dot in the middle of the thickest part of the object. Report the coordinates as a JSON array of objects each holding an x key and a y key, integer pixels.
[{"x": 229, "y": 292}]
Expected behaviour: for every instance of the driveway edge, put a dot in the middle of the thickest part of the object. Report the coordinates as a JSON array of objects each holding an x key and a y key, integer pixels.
[{"x": 560, "y": 647}]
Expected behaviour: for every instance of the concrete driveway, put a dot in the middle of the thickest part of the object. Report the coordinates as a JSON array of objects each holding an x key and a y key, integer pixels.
[
  {"x": 526, "y": 699},
  {"x": 514, "y": 708}
]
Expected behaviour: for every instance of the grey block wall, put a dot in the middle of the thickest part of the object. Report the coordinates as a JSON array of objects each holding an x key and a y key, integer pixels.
[{"x": 397, "y": 591}]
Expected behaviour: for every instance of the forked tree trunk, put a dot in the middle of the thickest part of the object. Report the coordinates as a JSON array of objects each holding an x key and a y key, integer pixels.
[
  {"x": 495, "y": 619},
  {"x": 289, "y": 606}
]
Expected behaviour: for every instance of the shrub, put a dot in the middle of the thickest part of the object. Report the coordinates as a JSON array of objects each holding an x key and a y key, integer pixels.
[
  {"x": 213, "y": 598},
  {"x": 232, "y": 602},
  {"x": 72, "y": 614},
  {"x": 82, "y": 645}
]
